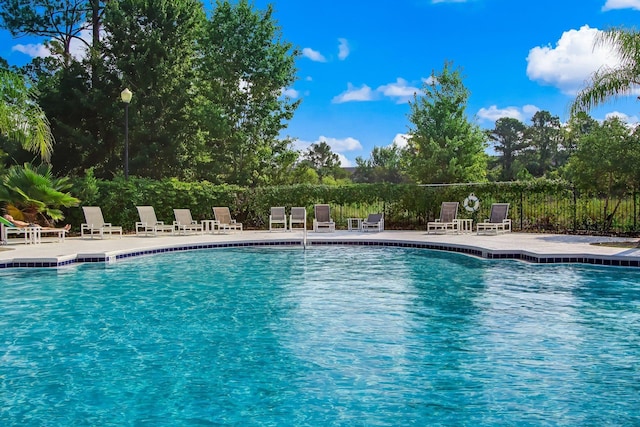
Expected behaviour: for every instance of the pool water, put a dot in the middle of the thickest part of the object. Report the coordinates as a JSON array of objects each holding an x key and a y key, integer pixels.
[{"x": 342, "y": 336}]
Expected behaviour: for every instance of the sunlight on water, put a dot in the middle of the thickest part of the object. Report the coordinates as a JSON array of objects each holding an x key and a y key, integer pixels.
[{"x": 353, "y": 336}]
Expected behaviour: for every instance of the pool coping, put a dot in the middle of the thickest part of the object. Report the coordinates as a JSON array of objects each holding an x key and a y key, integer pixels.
[{"x": 530, "y": 248}]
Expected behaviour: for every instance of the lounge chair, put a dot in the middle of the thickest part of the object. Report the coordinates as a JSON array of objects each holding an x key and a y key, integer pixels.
[
  {"x": 497, "y": 221},
  {"x": 149, "y": 223},
  {"x": 7, "y": 228},
  {"x": 185, "y": 223},
  {"x": 298, "y": 216},
  {"x": 447, "y": 221},
  {"x": 278, "y": 216},
  {"x": 225, "y": 222},
  {"x": 373, "y": 222},
  {"x": 95, "y": 225},
  {"x": 323, "y": 220},
  {"x": 32, "y": 232}
]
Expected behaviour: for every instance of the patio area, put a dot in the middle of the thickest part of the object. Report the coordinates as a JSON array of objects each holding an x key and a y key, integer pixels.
[{"x": 528, "y": 247}]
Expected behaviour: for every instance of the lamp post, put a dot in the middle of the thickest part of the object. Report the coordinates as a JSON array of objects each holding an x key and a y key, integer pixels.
[{"x": 126, "y": 95}]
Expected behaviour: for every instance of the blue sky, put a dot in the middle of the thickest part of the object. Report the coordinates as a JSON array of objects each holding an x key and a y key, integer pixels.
[{"x": 363, "y": 60}]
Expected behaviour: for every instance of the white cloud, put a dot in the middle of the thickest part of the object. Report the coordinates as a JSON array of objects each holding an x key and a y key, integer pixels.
[
  {"x": 300, "y": 145},
  {"x": 313, "y": 55},
  {"x": 622, "y": 116},
  {"x": 494, "y": 113},
  {"x": 400, "y": 90},
  {"x": 291, "y": 93},
  {"x": 401, "y": 140},
  {"x": 621, "y": 4},
  {"x": 338, "y": 146},
  {"x": 429, "y": 80},
  {"x": 341, "y": 145},
  {"x": 77, "y": 48},
  {"x": 344, "y": 162},
  {"x": 571, "y": 62},
  {"x": 530, "y": 110},
  {"x": 343, "y": 49},
  {"x": 32, "y": 50},
  {"x": 354, "y": 94}
]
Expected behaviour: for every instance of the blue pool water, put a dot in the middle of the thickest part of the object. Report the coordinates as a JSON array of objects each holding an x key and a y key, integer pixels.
[{"x": 329, "y": 336}]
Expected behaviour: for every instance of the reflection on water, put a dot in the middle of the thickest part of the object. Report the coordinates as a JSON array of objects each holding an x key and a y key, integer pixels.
[{"x": 326, "y": 336}]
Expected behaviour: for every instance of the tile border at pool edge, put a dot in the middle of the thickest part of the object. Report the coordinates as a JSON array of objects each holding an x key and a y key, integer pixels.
[{"x": 520, "y": 255}]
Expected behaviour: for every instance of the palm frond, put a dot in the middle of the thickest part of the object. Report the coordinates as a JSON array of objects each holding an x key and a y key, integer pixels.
[
  {"x": 35, "y": 191},
  {"x": 608, "y": 82},
  {"x": 21, "y": 118}
]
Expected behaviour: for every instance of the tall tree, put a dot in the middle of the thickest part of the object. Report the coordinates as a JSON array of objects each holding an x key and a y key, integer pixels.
[
  {"x": 73, "y": 91},
  {"x": 610, "y": 82},
  {"x": 579, "y": 124},
  {"x": 544, "y": 138},
  {"x": 509, "y": 137},
  {"x": 21, "y": 118},
  {"x": 320, "y": 158},
  {"x": 243, "y": 106},
  {"x": 150, "y": 48},
  {"x": 605, "y": 163},
  {"x": 444, "y": 146},
  {"x": 384, "y": 165},
  {"x": 59, "y": 22},
  {"x": 87, "y": 123}
]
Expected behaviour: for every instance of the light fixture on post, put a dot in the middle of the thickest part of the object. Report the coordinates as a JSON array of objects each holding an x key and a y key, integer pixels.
[{"x": 126, "y": 95}]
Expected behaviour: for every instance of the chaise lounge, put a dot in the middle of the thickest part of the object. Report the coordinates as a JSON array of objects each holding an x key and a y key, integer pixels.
[
  {"x": 149, "y": 223},
  {"x": 323, "y": 220},
  {"x": 497, "y": 221},
  {"x": 298, "y": 216},
  {"x": 225, "y": 222},
  {"x": 373, "y": 222},
  {"x": 278, "y": 217},
  {"x": 185, "y": 223},
  {"x": 95, "y": 225},
  {"x": 447, "y": 221}
]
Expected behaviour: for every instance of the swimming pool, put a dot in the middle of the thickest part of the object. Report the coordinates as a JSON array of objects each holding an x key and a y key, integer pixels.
[{"x": 353, "y": 336}]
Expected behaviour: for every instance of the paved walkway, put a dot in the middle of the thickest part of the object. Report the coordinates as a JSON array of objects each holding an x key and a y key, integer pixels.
[{"x": 537, "y": 248}]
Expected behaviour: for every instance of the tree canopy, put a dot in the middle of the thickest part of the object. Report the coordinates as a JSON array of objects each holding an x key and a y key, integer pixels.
[
  {"x": 242, "y": 105},
  {"x": 444, "y": 146}
]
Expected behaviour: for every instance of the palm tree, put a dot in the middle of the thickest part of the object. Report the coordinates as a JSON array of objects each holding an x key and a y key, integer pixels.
[
  {"x": 612, "y": 82},
  {"x": 21, "y": 118},
  {"x": 33, "y": 194}
]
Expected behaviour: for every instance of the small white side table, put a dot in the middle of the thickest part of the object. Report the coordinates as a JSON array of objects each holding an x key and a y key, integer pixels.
[
  {"x": 354, "y": 224},
  {"x": 210, "y": 225},
  {"x": 465, "y": 225}
]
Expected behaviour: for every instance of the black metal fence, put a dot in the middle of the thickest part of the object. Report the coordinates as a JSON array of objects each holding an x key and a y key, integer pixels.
[
  {"x": 541, "y": 205},
  {"x": 552, "y": 210}
]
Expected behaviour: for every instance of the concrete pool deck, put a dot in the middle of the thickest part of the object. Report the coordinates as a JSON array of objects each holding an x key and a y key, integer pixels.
[{"x": 534, "y": 248}]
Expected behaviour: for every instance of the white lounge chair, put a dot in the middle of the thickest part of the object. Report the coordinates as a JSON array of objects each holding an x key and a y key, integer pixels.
[
  {"x": 497, "y": 221},
  {"x": 298, "y": 216},
  {"x": 32, "y": 233},
  {"x": 185, "y": 223},
  {"x": 95, "y": 225},
  {"x": 225, "y": 222},
  {"x": 149, "y": 223},
  {"x": 7, "y": 228},
  {"x": 323, "y": 220},
  {"x": 277, "y": 217},
  {"x": 373, "y": 222},
  {"x": 447, "y": 221}
]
